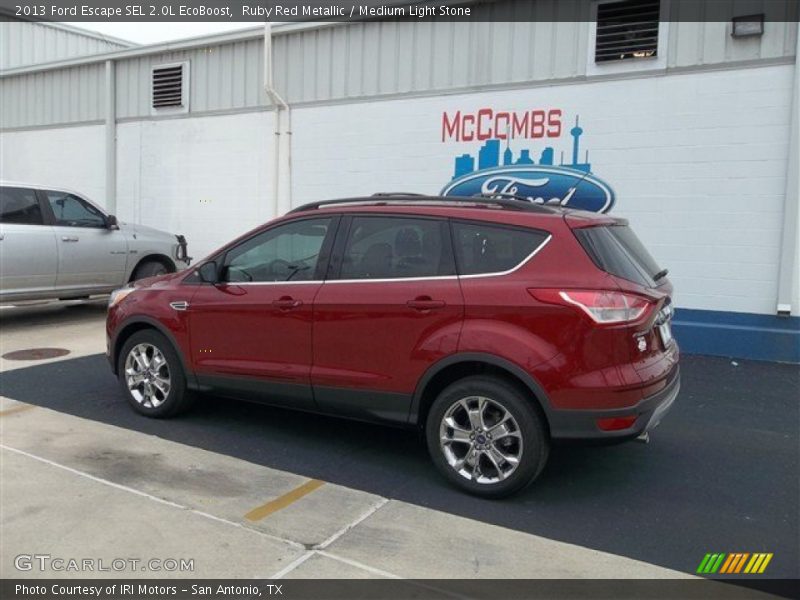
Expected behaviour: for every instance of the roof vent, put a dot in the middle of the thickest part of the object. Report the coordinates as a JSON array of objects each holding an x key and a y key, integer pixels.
[
  {"x": 627, "y": 30},
  {"x": 168, "y": 82}
]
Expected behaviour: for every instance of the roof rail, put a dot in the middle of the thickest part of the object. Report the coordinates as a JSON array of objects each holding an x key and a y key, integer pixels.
[
  {"x": 400, "y": 199},
  {"x": 401, "y": 194}
]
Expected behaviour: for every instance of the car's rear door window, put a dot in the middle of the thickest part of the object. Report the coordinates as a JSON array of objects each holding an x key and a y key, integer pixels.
[
  {"x": 397, "y": 247},
  {"x": 485, "y": 248},
  {"x": 20, "y": 205}
]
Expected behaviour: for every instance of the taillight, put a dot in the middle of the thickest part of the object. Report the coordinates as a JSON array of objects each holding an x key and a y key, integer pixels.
[{"x": 605, "y": 307}]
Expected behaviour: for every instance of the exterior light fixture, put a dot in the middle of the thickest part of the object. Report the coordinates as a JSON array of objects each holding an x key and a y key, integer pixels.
[{"x": 747, "y": 26}]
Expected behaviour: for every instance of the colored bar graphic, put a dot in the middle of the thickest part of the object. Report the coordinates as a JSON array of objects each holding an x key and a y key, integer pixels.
[
  {"x": 765, "y": 563},
  {"x": 703, "y": 563},
  {"x": 734, "y": 563},
  {"x": 728, "y": 563}
]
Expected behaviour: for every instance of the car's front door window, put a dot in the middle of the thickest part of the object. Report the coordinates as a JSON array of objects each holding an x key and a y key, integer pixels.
[
  {"x": 287, "y": 252},
  {"x": 71, "y": 211}
]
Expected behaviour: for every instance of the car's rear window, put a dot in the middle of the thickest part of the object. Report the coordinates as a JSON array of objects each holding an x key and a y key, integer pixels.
[
  {"x": 483, "y": 248},
  {"x": 618, "y": 251}
]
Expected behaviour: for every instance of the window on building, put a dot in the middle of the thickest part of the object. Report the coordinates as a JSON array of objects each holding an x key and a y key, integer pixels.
[
  {"x": 19, "y": 205},
  {"x": 482, "y": 248},
  {"x": 627, "y": 30},
  {"x": 168, "y": 84},
  {"x": 396, "y": 247}
]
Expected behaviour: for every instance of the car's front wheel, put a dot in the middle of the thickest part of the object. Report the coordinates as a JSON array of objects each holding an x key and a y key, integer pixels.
[
  {"x": 485, "y": 436},
  {"x": 152, "y": 376}
]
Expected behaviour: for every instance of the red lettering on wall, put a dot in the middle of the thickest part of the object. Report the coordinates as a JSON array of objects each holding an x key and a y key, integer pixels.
[
  {"x": 468, "y": 120},
  {"x": 520, "y": 125},
  {"x": 486, "y": 124},
  {"x": 451, "y": 128},
  {"x": 501, "y": 121},
  {"x": 554, "y": 123},
  {"x": 537, "y": 123},
  {"x": 484, "y": 116}
]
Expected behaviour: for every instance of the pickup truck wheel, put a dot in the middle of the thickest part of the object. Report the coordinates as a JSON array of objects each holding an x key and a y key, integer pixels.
[
  {"x": 150, "y": 268},
  {"x": 152, "y": 376},
  {"x": 485, "y": 436}
]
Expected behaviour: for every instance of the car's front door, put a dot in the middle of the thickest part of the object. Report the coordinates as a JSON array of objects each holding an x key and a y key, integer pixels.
[
  {"x": 251, "y": 332},
  {"x": 391, "y": 307},
  {"x": 90, "y": 255},
  {"x": 28, "y": 254}
]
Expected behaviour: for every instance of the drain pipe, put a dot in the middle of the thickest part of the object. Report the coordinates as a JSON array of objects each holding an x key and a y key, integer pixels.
[
  {"x": 282, "y": 144},
  {"x": 789, "y": 265}
]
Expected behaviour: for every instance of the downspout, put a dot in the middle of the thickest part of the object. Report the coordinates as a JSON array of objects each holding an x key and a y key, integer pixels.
[
  {"x": 789, "y": 269},
  {"x": 111, "y": 139},
  {"x": 282, "y": 145}
]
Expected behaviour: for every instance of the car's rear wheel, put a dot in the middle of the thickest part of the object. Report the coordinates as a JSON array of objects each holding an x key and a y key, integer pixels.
[
  {"x": 486, "y": 436},
  {"x": 152, "y": 376},
  {"x": 150, "y": 268}
]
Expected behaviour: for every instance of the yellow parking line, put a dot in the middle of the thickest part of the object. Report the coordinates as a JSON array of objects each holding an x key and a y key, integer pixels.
[
  {"x": 16, "y": 409},
  {"x": 282, "y": 502}
]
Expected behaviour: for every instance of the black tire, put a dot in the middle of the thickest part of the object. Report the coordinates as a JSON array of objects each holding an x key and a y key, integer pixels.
[
  {"x": 150, "y": 268},
  {"x": 528, "y": 422},
  {"x": 177, "y": 399}
]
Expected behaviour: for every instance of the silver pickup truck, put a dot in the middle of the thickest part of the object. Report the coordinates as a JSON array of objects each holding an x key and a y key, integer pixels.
[{"x": 55, "y": 243}]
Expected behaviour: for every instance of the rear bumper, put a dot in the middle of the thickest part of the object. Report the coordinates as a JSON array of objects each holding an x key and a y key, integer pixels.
[{"x": 582, "y": 424}]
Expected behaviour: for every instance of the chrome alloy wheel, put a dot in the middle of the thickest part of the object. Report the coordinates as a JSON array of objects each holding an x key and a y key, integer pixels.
[
  {"x": 480, "y": 440},
  {"x": 147, "y": 375}
]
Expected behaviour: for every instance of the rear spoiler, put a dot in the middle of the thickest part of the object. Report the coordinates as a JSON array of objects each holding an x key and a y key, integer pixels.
[{"x": 582, "y": 219}]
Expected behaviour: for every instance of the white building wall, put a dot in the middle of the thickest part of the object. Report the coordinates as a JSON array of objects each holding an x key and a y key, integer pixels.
[
  {"x": 72, "y": 157},
  {"x": 205, "y": 177},
  {"x": 697, "y": 161}
]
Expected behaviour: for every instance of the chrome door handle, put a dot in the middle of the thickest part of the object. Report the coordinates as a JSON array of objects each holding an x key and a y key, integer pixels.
[
  {"x": 69, "y": 238},
  {"x": 286, "y": 303},
  {"x": 179, "y": 305}
]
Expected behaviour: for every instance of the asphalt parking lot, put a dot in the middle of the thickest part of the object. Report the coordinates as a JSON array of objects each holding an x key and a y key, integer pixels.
[{"x": 719, "y": 475}]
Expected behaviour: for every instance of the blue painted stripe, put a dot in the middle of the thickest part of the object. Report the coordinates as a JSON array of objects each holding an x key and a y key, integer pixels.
[{"x": 738, "y": 335}]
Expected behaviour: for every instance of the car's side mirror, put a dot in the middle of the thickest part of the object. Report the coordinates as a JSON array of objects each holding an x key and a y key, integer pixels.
[
  {"x": 111, "y": 222},
  {"x": 208, "y": 272}
]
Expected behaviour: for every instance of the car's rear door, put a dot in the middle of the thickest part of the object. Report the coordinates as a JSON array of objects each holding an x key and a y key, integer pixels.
[
  {"x": 28, "y": 253},
  {"x": 251, "y": 333},
  {"x": 390, "y": 307},
  {"x": 90, "y": 255}
]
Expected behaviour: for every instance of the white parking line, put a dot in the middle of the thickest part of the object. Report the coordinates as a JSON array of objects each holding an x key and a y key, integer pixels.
[
  {"x": 358, "y": 565},
  {"x": 374, "y": 508},
  {"x": 293, "y": 565}
]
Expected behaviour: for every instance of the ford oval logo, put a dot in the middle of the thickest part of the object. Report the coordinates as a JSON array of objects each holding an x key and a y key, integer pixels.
[{"x": 541, "y": 184}]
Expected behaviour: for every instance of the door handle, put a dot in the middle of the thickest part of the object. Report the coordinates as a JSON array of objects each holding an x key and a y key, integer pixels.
[
  {"x": 425, "y": 303},
  {"x": 286, "y": 303},
  {"x": 69, "y": 238}
]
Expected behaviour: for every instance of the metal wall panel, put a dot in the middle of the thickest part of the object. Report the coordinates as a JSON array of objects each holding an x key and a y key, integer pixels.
[
  {"x": 24, "y": 43},
  {"x": 344, "y": 62},
  {"x": 61, "y": 96},
  {"x": 221, "y": 77}
]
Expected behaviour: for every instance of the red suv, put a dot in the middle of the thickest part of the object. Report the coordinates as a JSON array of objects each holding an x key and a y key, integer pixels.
[{"x": 494, "y": 325}]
